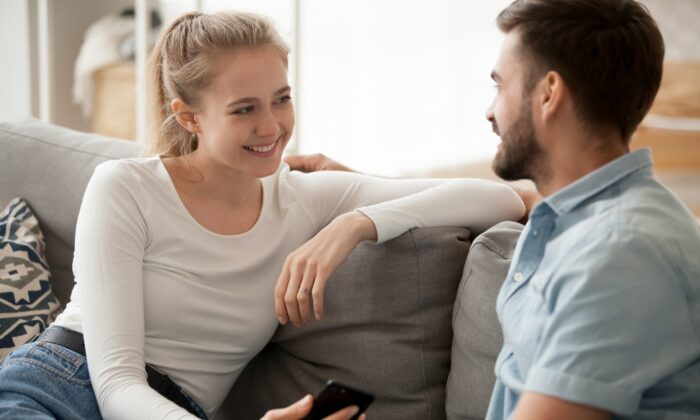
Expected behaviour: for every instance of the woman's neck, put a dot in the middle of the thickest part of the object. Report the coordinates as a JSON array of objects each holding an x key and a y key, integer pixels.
[{"x": 201, "y": 174}]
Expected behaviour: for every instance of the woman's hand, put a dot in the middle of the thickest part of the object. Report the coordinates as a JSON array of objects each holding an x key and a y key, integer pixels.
[
  {"x": 314, "y": 163},
  {"x": 307, "y": 269},
  {"x": 301, "y": 408}
]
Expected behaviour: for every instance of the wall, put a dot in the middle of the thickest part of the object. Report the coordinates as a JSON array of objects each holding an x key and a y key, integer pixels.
[
  {"x": 678, "y": 22},
  {"x": 18, "y": 76}
]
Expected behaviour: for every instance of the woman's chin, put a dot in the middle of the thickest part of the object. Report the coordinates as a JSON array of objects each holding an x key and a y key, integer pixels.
[{"x": 269, "y": 168}]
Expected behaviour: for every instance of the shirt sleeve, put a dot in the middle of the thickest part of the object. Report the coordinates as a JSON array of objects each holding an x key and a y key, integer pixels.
[
  {"x": 398, "y": 205},
  {"x": 111, "y": 236},
  {"x": 617, "y": 325}
]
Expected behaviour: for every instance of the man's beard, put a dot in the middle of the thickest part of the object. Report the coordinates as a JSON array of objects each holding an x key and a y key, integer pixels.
[{"x": 519, "y": 154}]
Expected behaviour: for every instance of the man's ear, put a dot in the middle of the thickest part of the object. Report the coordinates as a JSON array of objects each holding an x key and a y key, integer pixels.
[
  {"x": 184, "y": 115},
  {"x": 550, "y": 100}
]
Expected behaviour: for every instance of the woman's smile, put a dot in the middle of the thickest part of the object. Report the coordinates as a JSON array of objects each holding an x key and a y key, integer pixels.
[{"x": 264, "y": 150}]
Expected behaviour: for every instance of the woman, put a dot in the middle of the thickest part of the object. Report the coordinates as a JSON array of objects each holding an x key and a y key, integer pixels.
[{"x": 177, "y": 254}]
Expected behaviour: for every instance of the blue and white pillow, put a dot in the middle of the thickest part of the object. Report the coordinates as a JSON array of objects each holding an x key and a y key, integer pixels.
[{"x": 27, "y": 304}]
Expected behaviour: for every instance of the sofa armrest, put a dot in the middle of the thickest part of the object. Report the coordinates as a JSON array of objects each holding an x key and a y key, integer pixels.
[{"x": 478, "y": 336}]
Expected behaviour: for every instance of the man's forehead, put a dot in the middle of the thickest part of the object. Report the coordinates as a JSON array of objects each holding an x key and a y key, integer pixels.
[{"x": 509, "y": 59}]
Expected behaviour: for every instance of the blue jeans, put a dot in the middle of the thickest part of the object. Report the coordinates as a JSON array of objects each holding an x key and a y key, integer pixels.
[{"x": 41, "y": 380}]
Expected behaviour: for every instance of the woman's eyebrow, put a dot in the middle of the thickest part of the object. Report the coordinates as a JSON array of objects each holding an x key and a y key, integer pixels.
[{"x": 251, "y": 99}]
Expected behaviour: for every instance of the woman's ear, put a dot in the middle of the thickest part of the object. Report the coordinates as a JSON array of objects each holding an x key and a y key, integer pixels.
[{"x": 184, "y": 116}]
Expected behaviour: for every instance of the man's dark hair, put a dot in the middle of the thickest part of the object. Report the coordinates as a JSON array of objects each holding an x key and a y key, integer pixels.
[{"x": 609, "y": 53}]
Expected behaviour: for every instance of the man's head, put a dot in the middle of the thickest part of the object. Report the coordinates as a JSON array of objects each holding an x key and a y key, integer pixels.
[{"x": 606, "y": 54}]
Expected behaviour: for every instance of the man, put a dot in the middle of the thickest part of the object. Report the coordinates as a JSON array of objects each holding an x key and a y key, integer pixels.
[{"x": 601, "y": 307}]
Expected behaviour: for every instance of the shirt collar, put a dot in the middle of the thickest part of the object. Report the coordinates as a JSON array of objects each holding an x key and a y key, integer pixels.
[{"x": 591, "y": 184}]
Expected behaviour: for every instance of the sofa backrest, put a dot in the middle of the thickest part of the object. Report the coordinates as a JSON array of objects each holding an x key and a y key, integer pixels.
[
  {"x": 50, "y": 167},
  {"x": 387, "y": 330}
]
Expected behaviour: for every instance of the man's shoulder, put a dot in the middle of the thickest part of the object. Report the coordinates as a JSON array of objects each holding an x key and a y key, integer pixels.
[
  {"x": 638, "y": 208},
  {"x": 628, "y": 240}
]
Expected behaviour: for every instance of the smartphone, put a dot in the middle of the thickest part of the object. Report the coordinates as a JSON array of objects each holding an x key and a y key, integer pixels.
[{"x": 334, "y": 397}]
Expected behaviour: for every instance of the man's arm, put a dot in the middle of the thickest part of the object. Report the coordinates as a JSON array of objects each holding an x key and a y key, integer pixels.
[{"x": 534, "y": 406}]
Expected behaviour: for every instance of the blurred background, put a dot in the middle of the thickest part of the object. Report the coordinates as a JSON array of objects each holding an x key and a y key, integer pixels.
[{"x": 390, "y": 87}]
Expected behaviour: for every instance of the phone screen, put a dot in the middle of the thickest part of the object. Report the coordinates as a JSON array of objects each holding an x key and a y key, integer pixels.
[{"x": 334, "y": 397}]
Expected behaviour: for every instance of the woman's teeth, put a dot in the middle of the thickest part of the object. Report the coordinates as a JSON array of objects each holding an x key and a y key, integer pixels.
[{"x": 261, "y": 149}]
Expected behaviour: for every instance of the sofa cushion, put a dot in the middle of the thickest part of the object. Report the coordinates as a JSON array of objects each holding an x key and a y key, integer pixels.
[
  {"x": 386, "y": 330},
  {"x": 50, "y": 166},
  {"x": 27, "y": 304},
  {"x": 478, "y": 336}
]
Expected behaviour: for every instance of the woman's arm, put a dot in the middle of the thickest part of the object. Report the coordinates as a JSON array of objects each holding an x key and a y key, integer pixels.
[
  {"x": 391, "y": 207},
  {"x": 111, "y": 237}
]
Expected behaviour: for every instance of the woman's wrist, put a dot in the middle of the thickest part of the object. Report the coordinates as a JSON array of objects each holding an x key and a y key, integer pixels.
[{"x": 361, "y": 226}]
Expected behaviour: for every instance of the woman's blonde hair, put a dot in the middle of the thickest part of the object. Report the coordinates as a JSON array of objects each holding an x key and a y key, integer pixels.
[{"x": 180, "y": 67}]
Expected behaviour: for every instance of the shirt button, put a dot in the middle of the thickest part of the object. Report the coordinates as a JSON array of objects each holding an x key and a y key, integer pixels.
[
  {"x": 535, "y": 232},
  {"x": 518, "y": 277}
]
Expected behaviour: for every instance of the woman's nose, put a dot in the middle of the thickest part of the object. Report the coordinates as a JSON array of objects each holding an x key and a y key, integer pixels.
[{"x": 267, "y": 125}]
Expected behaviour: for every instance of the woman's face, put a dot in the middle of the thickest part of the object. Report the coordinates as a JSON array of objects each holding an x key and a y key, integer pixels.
[{"x": 247, "y": 115}]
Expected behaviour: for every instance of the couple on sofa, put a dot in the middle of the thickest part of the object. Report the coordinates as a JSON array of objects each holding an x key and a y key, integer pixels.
[{"x": 187, "y": 260}]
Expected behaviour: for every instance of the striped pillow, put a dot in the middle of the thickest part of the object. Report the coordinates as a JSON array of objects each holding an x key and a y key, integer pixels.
[{"x": 27, "y": 305}]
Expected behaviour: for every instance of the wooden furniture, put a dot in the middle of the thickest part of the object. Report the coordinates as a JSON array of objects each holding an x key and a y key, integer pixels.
[
  {"x": 114, "y": 99},
  {"x": 672, "y": 128},
  {"x": 672, "y": 131}
]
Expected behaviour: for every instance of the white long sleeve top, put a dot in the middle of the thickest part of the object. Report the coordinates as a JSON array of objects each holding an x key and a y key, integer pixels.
[{"x": 154, "y": 286}]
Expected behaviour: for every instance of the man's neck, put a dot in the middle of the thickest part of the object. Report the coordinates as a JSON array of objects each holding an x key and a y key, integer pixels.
[{"x": 577, "y": 158}]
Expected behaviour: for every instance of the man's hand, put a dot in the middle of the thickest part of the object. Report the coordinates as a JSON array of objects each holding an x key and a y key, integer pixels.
[
  {"x": 314, "y": 163},
  {"x": 530, "y": 198},
  {"x": 301, "y": 408}
]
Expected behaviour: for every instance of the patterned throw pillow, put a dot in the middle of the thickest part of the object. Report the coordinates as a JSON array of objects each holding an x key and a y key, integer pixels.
[{"x": 27, "y": 305}]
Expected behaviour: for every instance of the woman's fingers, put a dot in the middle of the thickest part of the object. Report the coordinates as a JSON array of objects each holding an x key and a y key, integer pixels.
[
  {"x": 344, "y": 414},
  {"x": 290, "y": 296},
  {"x": 280, "y": 291},
  {"x": 317, "y": 293},
  {"x": 297, "y": 294},
  {"x": 295, "y": 411},
  {"x": 304, "y": 293}
]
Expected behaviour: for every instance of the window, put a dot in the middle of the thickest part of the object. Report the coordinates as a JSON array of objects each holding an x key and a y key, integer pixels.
[{"x": 393, "y": 87}]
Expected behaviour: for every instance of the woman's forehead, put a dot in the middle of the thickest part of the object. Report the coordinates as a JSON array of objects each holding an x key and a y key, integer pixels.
[{"x": 249, "y": 69}]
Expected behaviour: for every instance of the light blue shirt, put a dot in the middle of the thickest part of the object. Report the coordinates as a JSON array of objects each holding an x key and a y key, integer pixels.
[{"x": 601, "y": 305}]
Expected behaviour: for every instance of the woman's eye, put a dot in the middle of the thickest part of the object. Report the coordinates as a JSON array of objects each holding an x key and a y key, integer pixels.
[
  {"x": 244, "y": 110},
  {"x": 284, "y": 99}
]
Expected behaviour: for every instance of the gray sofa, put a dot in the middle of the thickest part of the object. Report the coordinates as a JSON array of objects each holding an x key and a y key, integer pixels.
[{"x": 391, "y": 308}]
